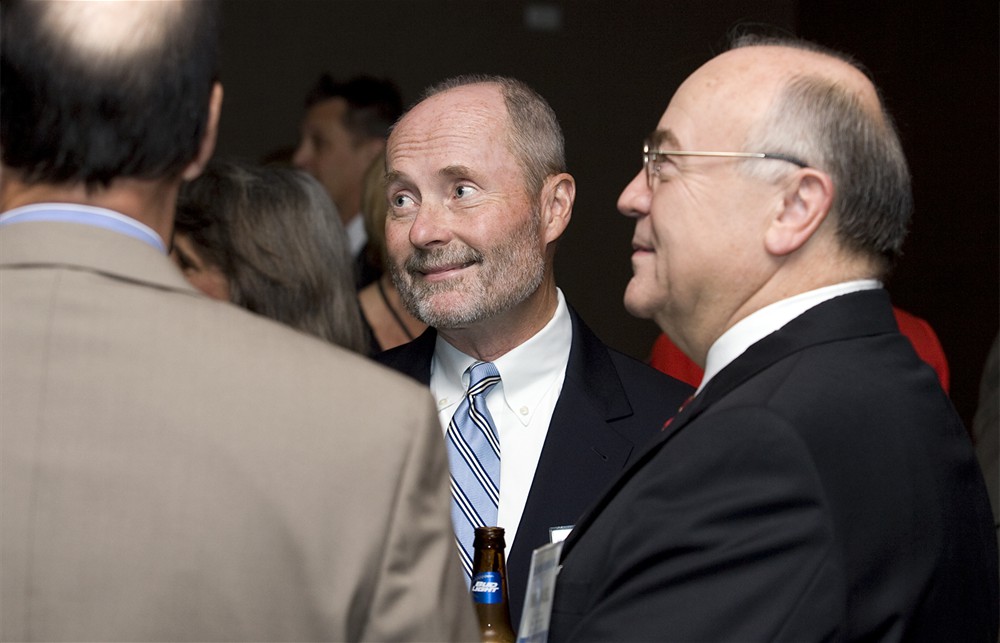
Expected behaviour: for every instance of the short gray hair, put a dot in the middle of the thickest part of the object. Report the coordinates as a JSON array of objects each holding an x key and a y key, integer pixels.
[
  {"x": 534, "y": 136},
  {"x": 828, "y": 127}
]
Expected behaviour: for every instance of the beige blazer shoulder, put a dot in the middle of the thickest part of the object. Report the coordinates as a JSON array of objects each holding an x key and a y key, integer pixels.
[{"x": 175, "y": 468}]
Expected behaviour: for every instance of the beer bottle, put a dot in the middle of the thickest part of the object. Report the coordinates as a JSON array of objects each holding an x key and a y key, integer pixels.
[{"x": 489, "y": 585}]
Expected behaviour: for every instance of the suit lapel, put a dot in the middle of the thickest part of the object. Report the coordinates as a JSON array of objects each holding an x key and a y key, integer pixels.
[
  {"x": 413, "y": 358},
  {"x": 853, "y": 315},
  {"x": 583, "y": 450}
]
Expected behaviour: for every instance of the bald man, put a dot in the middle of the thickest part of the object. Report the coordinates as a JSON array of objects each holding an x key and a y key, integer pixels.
[{"x": 819, "y": 486}]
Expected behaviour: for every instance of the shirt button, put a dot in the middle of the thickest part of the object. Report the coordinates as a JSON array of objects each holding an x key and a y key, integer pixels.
[
  {"x": 524, "y": 410},
  {"x": 443, "y": 402}
]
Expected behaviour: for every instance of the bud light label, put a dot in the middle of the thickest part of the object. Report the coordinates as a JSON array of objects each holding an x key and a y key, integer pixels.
[{"x": 486, "y": 587}]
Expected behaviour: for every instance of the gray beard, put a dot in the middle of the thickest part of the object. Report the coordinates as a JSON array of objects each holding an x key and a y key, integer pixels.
[{"x": 504, "y": 279}]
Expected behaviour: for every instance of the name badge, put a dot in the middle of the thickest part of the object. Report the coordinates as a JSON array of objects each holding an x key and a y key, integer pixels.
[
  {"x": 541, "y": 590},
  {"x": 559, "y": 534}
]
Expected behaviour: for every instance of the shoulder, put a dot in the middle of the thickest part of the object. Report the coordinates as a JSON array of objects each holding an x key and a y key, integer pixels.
[
  {"x": 413, "y": 358},
  {"x": 257, "y": 351},
  {"x": 634, "y": 370},
  {"x": 607, "y": 374}
]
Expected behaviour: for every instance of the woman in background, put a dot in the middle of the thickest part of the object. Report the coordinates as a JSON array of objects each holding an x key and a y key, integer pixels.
[
  {"x": 269, "y": 239},
  {"x": 389, "y": 323}
]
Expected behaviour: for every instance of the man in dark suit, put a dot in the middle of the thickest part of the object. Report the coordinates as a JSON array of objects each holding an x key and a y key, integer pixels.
[
  {"x": 820, "y": 486},
  {"x": 478, "y": 198}
]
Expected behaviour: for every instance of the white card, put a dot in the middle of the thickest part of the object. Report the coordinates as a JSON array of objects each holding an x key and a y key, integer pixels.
[
  {"x": 541, "y": 589},
  {"x": 559, "y": 534}
]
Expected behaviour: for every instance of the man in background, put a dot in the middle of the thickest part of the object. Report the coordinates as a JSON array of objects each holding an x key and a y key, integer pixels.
[
  {"x": 175, "y": 468},
  {"x": 820, "y": 485},
  {"x": 478, "y": 198},
  {"x": 343, "y": 132}
]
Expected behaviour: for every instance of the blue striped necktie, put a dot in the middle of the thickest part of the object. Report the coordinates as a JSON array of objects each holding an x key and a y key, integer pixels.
[{"x": 474, "y": 459}]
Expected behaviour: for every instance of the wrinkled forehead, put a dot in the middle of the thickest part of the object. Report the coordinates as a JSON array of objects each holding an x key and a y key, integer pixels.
[
  {"x": 480, "y": 105},
  {"x": 473, "y": 115},
  {"x": 712, "y": 109}
]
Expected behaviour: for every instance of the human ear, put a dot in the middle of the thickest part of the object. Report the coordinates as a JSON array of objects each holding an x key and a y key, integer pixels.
[
  {"x": 195, "y": 167},
  {"x": 806, "y": 204},
  {"x": 558, "y": 194}
]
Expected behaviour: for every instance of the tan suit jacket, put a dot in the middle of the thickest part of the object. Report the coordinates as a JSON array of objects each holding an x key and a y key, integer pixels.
[{"x": 174, "y": 468}]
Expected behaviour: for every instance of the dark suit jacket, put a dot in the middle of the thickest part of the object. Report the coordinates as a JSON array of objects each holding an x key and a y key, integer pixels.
[
  {"x": 365, "y": 272},
  {"x": 820, "y": 487},
  {"x": 609, "y": 407}
]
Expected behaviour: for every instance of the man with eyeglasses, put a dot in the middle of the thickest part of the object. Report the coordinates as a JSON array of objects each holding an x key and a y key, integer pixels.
[{"x": 819, "y": 485}]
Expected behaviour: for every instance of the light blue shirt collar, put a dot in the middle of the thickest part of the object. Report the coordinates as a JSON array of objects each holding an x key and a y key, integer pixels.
[{"x": 84, "y": 215}]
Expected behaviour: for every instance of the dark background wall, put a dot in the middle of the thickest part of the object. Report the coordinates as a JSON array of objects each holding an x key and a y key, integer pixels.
[{"x": 609, "y": 69}]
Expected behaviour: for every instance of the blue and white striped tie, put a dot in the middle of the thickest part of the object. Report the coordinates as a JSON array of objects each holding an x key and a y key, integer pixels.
[{"x": 474, "y": 459}]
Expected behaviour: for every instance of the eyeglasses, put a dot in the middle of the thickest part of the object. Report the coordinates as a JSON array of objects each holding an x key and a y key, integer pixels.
[{"x": 651, "y": 159}]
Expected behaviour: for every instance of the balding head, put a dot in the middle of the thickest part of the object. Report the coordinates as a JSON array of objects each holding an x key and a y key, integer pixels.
[
  {"x": 763, "y": 66},
  {"x": 774, "y": 171},
  {"x": 820, "y": 106},
  {"x": 107, "y": 31},
  {"x": 94, "y": 91},
  {"x": 799, "y": 99},
  {"x": 533, "y": 132}
]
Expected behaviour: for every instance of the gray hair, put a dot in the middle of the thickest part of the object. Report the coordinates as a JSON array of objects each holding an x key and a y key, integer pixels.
[
  {"x": 277, "y": 237},
  {"x": 534, "y": 136},
  {"x": 828, "y": 127}
]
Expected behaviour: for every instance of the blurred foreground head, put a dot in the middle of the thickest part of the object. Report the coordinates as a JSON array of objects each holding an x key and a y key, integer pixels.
[{"x": 95, "y": 91}]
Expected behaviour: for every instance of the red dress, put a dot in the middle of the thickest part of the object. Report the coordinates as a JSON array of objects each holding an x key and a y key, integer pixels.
[{"x": 668, "y": 358}]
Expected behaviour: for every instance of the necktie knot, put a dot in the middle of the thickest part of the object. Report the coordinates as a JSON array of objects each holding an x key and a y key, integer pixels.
[{"x": 483, "y": 376}]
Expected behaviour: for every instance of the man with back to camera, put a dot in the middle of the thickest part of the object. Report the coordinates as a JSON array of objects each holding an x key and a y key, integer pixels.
[
  {"x": 820, "y": 485},
  {"x": 478, "y": 198},
  {"x": 171, "y": 467},
  {"x": 343, "y": 132}
]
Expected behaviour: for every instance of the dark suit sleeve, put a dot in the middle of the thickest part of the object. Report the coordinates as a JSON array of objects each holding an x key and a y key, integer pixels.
[{"x": 722, "y": 534}]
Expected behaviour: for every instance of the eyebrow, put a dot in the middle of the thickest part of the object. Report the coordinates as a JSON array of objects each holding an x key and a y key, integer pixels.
[
  {"x": 448, "y": 172},
  {"x": 455, "y": 171},
  {"x": 661, "y": 136},
  {"x": 392, "y": 177}
]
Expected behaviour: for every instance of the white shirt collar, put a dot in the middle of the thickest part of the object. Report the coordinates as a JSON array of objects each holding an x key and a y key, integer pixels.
[
  {"x": 526, "y": 372},
  {"x": 768, "y": 319}
]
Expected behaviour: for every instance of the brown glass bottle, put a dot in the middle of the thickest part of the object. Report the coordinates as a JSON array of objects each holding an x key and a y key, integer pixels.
[{"x": 489, "y": 585}]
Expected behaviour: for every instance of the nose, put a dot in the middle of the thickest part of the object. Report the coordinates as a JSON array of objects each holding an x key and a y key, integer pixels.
[
  {"x": 634, "y": 199},
  {"x": 430, "y": 227}
]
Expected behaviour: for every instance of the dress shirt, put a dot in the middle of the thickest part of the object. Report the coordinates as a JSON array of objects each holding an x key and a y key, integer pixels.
[
  {"x": 85, "y": 215},
  {"x": 531, "y": 378},
  {"x": 768, "y": 319},
  {"x": 356, "y": 235}
]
